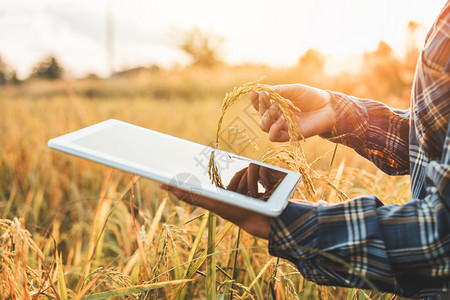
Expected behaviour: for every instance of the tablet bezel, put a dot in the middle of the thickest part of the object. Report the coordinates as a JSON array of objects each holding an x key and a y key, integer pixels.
[{"x": 271, "y": 207}]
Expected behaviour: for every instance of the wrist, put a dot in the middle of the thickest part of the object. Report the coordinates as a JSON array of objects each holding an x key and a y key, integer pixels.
[{"x": 258, "y": 225}]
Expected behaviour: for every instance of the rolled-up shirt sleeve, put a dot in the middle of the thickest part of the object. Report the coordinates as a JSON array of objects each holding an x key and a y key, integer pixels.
[{"x": 374, "y": 130}]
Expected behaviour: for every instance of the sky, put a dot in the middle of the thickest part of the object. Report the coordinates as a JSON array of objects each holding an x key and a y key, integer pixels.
[{"x": 147, "y": 32}]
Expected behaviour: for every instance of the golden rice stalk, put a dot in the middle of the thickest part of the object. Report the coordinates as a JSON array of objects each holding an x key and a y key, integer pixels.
[
  {"x": 14, "y": 260},
  {"x": 136, "y": 289},
  {"x": 282, "y": 154},
  {"x": 110, "y": 278},
  {"x": 17, "y": 279},
  {"x": 61, "y": 284},
  {"x": 211, "y": 258},
  {"x": 290, "y": 289},
  {"x": 329, "y": 181},
  {"x": 237, "y": 130},
  {"x": 260, "y": 274},
  {"x": 202, "y": 256},
  {"x": 290, "y": 114},
  {"x": 251, "y": 272}
]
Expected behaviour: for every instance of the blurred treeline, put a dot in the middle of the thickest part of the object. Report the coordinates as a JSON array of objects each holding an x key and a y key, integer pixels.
[{"x": 383, "y": 75}]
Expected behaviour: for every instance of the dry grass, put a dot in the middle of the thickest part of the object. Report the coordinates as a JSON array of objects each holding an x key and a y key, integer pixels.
[{"x": 93, "y": 231}]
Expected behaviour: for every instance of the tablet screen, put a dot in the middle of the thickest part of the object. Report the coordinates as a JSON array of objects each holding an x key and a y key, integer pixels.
[{"x": 180, "y": 160}]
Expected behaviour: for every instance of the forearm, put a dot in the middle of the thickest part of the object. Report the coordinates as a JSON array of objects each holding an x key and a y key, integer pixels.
[{"x": 252, "y": 222}]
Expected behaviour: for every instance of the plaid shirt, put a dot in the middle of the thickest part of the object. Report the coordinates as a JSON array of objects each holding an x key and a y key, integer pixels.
[{"x": 402, "y": 249}]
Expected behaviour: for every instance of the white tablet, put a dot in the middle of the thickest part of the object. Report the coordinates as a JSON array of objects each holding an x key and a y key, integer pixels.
[{"x": 175, "y": 162}]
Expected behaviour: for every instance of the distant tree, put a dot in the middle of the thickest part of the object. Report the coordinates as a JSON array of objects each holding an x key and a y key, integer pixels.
[
  {"x": 48, "y": 68},
  {"x": 311, "y": 66},
  {"x": 382, "y": 72},
  {"x": 154, "y": 68},
  {"x": 92, "y": 76},
  {"x": 3, "y": 72},
  {"x": 202, "y": 48},
  {"x": 7, "y": 75},
  {"x": 412, "y": 49},
  {"x": 2, "y": 78},
  {"x": 312, "y": 60},
  {"x": 13, "y": 79}
]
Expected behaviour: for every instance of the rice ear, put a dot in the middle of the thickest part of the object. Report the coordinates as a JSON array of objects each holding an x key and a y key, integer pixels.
[{"x": 290, "y": 113}]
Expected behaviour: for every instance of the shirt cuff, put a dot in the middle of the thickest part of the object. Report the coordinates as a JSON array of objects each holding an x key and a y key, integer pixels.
[
  {"x": 351, "y": 121},
  {"x": 294, "y": 232}
]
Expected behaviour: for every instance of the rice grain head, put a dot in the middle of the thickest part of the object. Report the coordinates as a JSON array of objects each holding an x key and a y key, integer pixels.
[{"x": 289, "y": 112}]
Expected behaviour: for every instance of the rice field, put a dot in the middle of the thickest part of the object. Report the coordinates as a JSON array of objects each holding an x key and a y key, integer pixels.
[{"x": 73, "y": 229}]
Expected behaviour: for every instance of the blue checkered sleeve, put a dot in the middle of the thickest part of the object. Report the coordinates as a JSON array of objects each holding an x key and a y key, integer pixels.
[
  {"x": 374, "y": 130},
  {"x": 402, "y": 249}
]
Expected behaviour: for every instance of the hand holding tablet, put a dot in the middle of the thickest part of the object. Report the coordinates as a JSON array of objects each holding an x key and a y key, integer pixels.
[{"x": 251, "y": 185}]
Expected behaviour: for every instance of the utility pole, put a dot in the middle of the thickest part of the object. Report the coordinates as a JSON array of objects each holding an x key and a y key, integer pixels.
[{"x": 110, "y": 36}]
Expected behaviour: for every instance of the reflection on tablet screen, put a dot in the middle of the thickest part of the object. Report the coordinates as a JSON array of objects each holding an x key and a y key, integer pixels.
[
  {"x": 256, "y": 181},
  {"x": 171, "y": 156}
]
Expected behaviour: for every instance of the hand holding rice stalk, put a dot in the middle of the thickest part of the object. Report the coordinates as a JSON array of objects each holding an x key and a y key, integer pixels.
[{"x": 290, "y": 112}]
